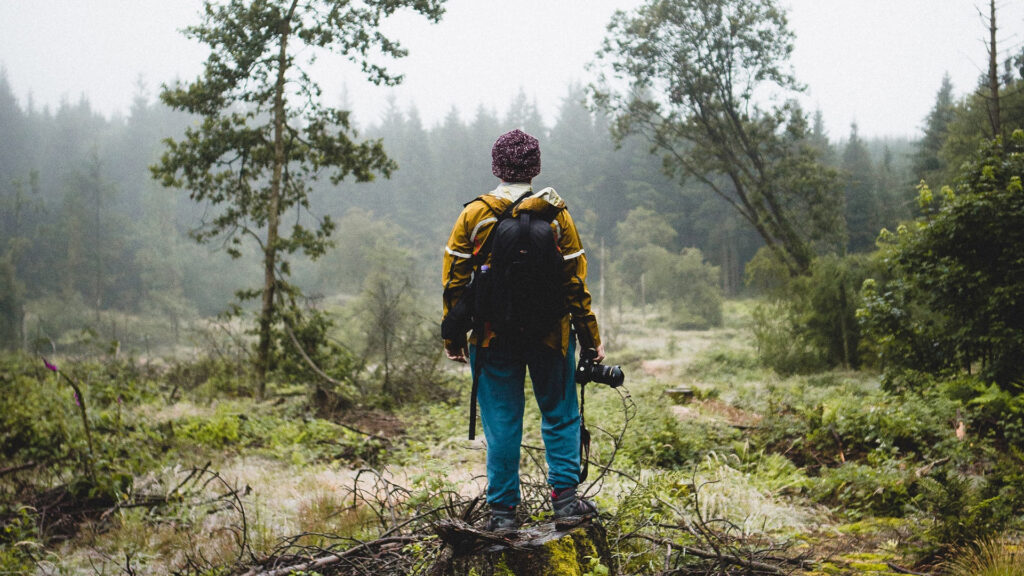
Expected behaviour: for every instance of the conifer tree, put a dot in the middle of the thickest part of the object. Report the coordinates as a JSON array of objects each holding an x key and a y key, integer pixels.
[
  {"x": 264, "y": 136},
  {"x": 928, "y": 164},
  {"x": 861, "y": 206}
]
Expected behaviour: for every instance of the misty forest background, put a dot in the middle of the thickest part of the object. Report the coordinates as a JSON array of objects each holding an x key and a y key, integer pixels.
[
  {"x": 844, "y": 317},
  {"x": 91, "y": 239}
]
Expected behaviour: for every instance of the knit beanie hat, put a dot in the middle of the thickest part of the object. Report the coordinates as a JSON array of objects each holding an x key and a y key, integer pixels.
[{"x": 515, "y": 157}]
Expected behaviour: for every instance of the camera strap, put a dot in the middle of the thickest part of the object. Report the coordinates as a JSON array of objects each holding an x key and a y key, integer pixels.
[
  {"x": 584, "y": 436},
  {"x": 475, "y": 368}
]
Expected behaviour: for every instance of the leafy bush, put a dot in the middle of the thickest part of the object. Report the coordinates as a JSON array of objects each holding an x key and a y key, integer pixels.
[
  {"x": 959, "y": 509},
  {"x": 780, "y": 342},
  {"x": 657, "y": 437},
  {"x": 19, "y": 541},
  {"x": 209, "y": 377},
  {"x": 953, "y": 297},
  {"x": 809, "y": 323},
  {"x": 861, "y": 490},
  {"x": 821, "y": 426},
  {"x": 656, "y": 273},
  {"x": 36, "y": 417},
  {"x": 290, "y": 437},
  {"x": 697, "y": 298}
]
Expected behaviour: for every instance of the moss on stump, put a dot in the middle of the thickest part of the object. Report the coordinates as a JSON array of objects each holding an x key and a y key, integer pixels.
[{"x": 546, "y": 549}]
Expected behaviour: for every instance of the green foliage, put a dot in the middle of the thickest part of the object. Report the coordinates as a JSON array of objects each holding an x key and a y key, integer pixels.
[
  {"x": 780, "y": 342},
  {"x": 265, "y": 137},
  {"x": 953, "y": 298},
  {"x": 969, "y": 125},
  {"x": 397, "y": 336},
  {"x": 284, "y": 435},
  {"x": 36, "y": 417},
  {"x": 12, "y": 307},
  {"x": 309, "y": 356},
  {"x": 697, "y": 301},
  {"x": 929, "y": 165},
  {"x": 684, "y": 279},
  {"x": 863, "y": 490},
  {"x": 361, "y": 242},
  {"x": 658, "y": 438},
  {"x": 810, "y": 323},
  {"x": 827, "y": 423},
  {"x": 208, "y": 377},
  {"x": 666, "y": 61},
  {"x": 862, "y": 206},
  {"x": 991, "y": 410},
  {"x": 959, "y": 509},
  {"x": 723, "y": 365},
  {"x": 19, "y": 541}
]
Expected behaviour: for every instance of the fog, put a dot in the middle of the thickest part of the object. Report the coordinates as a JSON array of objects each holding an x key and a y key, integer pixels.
[{"x": 875, "y": 62}]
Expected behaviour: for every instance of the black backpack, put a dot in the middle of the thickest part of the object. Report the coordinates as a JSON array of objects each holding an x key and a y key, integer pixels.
[{"x": 521, "y": 294}]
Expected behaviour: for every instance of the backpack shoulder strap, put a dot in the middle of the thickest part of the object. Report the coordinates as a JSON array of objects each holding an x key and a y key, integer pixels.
[{"x": 494, "y": 206}]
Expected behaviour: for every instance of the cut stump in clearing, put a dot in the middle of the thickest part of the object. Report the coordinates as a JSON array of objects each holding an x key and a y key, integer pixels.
[
  {"x": 572, "y": 548},
  {"x": 680, "y": 394}
]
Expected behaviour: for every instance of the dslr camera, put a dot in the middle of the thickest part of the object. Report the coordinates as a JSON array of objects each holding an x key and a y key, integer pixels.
[{"x": 589, "y": 370}]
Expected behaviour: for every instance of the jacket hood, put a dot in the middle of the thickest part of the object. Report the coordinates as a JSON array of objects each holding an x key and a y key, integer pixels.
[{"x": 547, "y": 203}]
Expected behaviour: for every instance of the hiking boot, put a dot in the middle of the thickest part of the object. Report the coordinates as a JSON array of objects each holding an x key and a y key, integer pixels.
[
  {"x": 566, "y": 503},
  {"x": 503, "y": 519}
]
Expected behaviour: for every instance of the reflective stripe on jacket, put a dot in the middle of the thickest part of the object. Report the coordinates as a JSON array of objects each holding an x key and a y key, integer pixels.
[{"x": 475, "y": 224}]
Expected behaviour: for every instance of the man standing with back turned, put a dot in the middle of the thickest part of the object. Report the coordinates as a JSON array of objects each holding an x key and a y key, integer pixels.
[{"x": 499, "y": 358}]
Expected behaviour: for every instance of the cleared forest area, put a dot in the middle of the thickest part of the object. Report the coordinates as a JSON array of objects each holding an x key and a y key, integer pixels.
[{"x": 179, "y": 470}]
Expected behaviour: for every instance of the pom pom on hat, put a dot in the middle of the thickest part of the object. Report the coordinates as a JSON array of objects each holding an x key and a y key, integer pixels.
[{"x": 515, "y": 157}]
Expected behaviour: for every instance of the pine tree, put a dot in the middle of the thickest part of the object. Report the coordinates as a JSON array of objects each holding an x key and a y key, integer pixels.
[
  {"x": 265, "y": 136},
  {"x": 928, "y": 164},
  {"x": 861, "y": 206}
]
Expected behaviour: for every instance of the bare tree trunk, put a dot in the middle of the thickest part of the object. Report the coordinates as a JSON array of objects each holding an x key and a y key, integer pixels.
[
  {"x": 600, "y": 299},
  {"x": 643, "y": 299},
  {"x": 993, "y": 74}
]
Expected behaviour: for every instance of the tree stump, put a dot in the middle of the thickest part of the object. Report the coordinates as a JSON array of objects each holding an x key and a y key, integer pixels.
[
  {"x": 572, "y": 548},
  {"x": 680, "y": 395}
]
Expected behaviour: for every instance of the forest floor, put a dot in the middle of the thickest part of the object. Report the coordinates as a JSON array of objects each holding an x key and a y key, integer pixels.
[{"x": 736, "y": 456}]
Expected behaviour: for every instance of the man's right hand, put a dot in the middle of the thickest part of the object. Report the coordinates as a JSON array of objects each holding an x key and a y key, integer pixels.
[{"x": 456, "y": 352}]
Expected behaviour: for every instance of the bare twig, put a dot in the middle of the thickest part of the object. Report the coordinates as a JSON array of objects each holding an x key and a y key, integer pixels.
[{"x": 902, "y": 570}]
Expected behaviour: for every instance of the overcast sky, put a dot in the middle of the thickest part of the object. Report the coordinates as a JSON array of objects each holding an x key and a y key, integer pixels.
[{"x": 876, "y": 62}]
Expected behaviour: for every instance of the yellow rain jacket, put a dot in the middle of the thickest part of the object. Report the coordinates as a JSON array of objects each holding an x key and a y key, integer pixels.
[{"x": 476, "y": 223}]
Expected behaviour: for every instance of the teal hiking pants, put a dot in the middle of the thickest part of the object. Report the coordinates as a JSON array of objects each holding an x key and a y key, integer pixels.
[{"x": 501, "y": 395}]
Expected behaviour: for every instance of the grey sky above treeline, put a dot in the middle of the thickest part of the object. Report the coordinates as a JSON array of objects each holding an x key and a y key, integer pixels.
[{"x": 875, "y": 62}]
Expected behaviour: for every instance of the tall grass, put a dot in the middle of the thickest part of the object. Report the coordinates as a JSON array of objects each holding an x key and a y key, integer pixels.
[{"x": 988, "y": 558}]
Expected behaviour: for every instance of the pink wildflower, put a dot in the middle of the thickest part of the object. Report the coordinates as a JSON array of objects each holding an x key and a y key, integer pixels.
[{"x": 50, "y": 367}]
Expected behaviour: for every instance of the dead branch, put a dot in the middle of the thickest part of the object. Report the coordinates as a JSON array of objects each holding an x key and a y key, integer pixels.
[
  {"x": 683, "y": 550},
  {"x": 901, "y": 570},
  {"x": 333, "y": 558},
  {"x": 465, "y": 539},
  {"x": 17, "y": 468}
]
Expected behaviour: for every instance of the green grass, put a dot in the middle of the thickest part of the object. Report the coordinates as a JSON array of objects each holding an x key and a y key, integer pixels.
[{"x": 827, "y": 461}]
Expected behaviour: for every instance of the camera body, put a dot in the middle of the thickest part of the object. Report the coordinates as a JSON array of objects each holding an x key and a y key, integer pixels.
[{"x": 588, "y": 370}]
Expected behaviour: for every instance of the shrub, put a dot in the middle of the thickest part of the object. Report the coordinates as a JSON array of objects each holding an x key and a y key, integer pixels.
[
  {"x": 809, "y": 323},
  {"x": 860, "y": 490},
  {"x": 18, "y": 541},
  {"x": 959, "y": 509},
  {"x": 953, "y": 297},
  {"x": 209, "y": 377}
]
